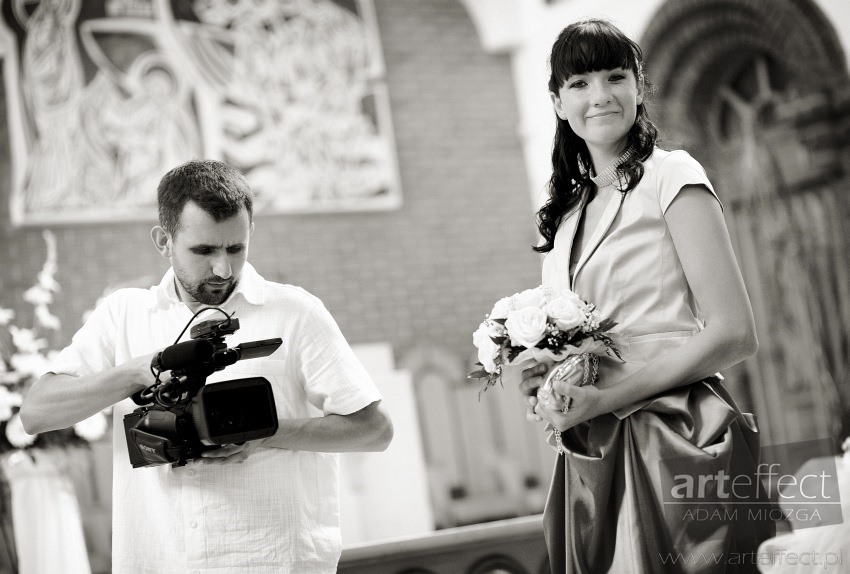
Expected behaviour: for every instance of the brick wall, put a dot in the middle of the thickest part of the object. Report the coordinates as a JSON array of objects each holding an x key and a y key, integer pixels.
[{"x": 421, "y": 275}]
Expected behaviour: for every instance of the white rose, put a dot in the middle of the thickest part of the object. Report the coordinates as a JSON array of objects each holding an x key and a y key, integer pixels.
[
  {"x": 487, "y": 349},
  {"x": 15, "y": 433},
  {"x": 570, "y": 296},
  {"x": 530, "y": 298},
  {"x": 501, "y": 308},
  {"x": 566, "y": 313},
  {"x": 92, "y": 428},
  {"x": 526, "y": 326}
]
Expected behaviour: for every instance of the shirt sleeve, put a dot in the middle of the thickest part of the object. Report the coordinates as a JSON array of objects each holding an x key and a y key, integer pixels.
[
  {"x": 334, "y": 378},
  {"x": 676, "y": 171},
  {"x": 92, "y": 349}
]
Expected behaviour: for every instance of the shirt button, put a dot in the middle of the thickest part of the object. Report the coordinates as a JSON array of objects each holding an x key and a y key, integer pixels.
[
  {"x": 193, "y": 524},
  {"x": 191, "y": 472}
]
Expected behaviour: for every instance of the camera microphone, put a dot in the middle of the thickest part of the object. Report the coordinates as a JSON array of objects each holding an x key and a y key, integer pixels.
[{"x": 183, "y": 355}]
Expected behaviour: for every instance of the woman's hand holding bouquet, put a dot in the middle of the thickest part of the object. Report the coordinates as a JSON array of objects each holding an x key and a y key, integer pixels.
[{"x": 539, "y": 330}]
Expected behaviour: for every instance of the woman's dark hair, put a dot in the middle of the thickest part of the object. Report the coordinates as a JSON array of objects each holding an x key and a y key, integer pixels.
[
  {"x": 216, "y": 187},
  {"x": 583, "y": 47}
]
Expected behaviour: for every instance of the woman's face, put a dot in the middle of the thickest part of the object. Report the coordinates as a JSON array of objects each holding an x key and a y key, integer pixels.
[{"x": 600, "y": 106}]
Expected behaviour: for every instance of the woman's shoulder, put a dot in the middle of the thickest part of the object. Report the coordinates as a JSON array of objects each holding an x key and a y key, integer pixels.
[
  {"x": 670, "y": 171},
  {"x": 662, "y": 159}
]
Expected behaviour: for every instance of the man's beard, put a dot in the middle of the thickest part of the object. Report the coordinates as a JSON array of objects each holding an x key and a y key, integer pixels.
[{"x": 202, "y": 292}]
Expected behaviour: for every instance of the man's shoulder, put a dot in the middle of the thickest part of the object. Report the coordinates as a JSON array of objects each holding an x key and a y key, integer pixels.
[
  {"x": 126, "y": 296},
  {"x": 290, "y": 295},
  {"x": 119, "y": 306}
]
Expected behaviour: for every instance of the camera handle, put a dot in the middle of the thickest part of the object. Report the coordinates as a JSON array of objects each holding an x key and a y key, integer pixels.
[
  {"x": 210, "y": 361},
  {"x": 168, "y": 393}
]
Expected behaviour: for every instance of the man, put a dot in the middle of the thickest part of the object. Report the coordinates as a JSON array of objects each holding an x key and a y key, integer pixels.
[{"x": 268, "y": 505}]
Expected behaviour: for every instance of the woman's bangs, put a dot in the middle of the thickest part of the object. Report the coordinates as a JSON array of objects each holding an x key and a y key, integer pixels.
[{"x": 591, "y": 51}]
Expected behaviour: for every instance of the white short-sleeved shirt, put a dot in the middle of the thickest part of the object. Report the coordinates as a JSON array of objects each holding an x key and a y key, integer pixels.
[
  {"x": 630, "y": 269},
  {"x": 278, "y": 511}
]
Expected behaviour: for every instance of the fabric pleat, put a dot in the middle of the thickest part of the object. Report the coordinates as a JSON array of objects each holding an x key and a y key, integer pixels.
[{"x": 618, "y": 500}]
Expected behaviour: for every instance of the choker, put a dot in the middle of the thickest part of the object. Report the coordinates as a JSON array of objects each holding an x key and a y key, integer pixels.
[{"x": 610, "y": 174}]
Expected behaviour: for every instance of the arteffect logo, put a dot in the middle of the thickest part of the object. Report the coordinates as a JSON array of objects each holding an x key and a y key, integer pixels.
[{"x": 796, "y": 483}]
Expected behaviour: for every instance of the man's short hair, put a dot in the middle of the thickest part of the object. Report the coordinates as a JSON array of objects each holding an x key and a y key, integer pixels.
[{"x": 214, "y": 186}]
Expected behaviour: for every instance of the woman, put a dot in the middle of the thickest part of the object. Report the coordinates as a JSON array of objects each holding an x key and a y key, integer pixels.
[{"x": 650, "y": 449}]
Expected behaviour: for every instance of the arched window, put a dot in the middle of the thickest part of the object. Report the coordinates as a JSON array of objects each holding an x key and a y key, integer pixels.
[{"x": 754, "y": 90}]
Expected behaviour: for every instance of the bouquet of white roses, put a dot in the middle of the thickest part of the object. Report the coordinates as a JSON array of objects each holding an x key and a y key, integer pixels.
[{"x": 543, "y": 324}]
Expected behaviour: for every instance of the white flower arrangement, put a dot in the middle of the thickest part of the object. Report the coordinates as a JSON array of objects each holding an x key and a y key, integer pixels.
[
  {"x": 24, "y": 357},
  {"x": 542, "y": 324}
]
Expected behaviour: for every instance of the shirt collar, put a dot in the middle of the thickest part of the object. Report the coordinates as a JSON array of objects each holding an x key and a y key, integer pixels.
[{"x": 251, "y": 287}]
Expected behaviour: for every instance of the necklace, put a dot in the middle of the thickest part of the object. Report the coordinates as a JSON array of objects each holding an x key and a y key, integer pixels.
[{"x": 610, "y": 174}]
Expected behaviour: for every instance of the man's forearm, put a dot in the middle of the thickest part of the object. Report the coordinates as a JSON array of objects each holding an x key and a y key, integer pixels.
[
  {"x": 367, "y": 430},
  {"x": 59, "y": 401}
]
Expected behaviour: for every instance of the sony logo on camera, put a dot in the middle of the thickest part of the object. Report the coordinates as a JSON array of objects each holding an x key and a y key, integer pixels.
[{"x": 183, "y": 416}]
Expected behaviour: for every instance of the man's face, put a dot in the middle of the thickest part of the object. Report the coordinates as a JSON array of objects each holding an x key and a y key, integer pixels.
[{"x": 208, "y": 255}]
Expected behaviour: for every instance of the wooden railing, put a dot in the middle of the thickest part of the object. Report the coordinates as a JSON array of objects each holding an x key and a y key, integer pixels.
[{"x": 512, "y": 546}]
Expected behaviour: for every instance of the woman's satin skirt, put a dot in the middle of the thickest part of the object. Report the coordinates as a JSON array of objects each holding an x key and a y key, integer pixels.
[{"x": 653, "y": 491}]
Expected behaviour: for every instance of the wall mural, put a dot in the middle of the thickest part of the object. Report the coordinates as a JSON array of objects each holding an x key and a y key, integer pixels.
[{"x": 104, "y": 96}]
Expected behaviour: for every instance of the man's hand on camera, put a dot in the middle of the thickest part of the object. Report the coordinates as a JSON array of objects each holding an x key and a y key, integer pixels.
[
  {"x": 230, "y": 453},
  {"x": 142, "y": 367}
]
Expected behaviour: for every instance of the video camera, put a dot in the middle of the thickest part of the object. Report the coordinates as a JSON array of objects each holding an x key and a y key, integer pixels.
[{"x": 183, "y": 417}]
